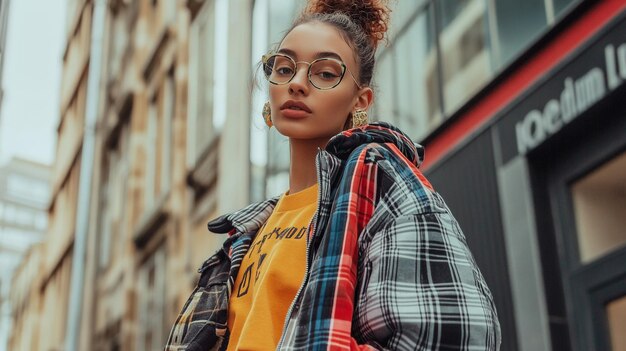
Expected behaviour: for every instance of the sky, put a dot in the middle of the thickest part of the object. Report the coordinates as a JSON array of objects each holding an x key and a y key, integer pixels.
[{"x": 31, "y": 79}]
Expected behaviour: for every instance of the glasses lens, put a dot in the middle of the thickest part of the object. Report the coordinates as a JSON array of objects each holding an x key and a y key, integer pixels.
[
  {"x": 326, "y": 73},
  {"x": 279, "y": 69}
]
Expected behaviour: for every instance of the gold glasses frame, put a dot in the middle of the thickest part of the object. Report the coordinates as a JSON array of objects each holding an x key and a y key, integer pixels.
[{"x": 265, "y": 59}]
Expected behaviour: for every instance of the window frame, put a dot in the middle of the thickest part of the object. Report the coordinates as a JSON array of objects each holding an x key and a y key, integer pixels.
[
  {"x": 196, "y": 143},
  {"x": 151, "y": 301}
]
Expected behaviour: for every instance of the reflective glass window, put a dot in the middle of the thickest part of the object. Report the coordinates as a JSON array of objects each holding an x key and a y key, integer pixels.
[
  {"x": 384, "y": 80},
  {"x": 616, "y": 313},
  {"x": 599, "y": 207},
  {"x": 561, "y": 5},
  {"x": 518, "y": 24},
  {"x": 465, "y": 50},
  {"x": 416, "y": 89}
]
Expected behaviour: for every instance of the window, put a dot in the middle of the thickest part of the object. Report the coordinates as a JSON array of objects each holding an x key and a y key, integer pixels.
[
  {"x": 385, "y": 102},
  {"x": 118, "y": 40},
  {"x": 27, "y": 188},
  {"x": 474, "y": 39},
  {"x": 9, "y": 213},
  {"x": 24, "y": 217},
  {"x": 616, "y": 313},
  {"x": 281, "y": 14},
  {"x": 599, "y": 206},
  {"x": 402, "y": 13},
  {"x": 104, "y": 218},
  {"x": 440, "y": 58},
  {"x": 18, "y": 239},
  {"x": 41, "y": 221},
  {"x": 588, "y": 213},
  {"x": 200, "y": 123},
  {"x": 152, "y": 147},
  {"x": 159, "y": 136},
  {"x": 113, "y": 192},
  {"x": 464, "y": 45},
  {"x": 152, "y": 327},
  {"x": 258, "y": 130},
  {"x": 518, "y": 23},
  {"x": 167, "y": 116},
  {"x": 417, "y": 103},
  {"x": 561, "y": 5}
]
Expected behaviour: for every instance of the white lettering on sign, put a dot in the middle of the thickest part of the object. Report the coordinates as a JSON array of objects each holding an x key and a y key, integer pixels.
[
  {"x": 621, "y": 57},
  {"x": 615, "y": 65},
  {"x": 577, "y": 96}
]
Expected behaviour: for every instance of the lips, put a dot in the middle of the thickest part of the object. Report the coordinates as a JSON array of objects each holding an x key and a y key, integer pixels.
[{"x": 295, "y": 105}]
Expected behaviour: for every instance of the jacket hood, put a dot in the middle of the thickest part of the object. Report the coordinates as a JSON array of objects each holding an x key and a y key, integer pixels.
[{"x": 342, "y": 144}]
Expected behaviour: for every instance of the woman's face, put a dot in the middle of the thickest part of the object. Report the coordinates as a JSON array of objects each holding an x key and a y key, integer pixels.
[{"x": 325, "y": 111}]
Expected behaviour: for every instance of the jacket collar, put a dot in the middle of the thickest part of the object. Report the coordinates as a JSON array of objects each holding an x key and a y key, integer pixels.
[
  {"x": 342, "y": 144},
  {"x": 338, "y": 148},
  {"x": 245, "y": 220}
]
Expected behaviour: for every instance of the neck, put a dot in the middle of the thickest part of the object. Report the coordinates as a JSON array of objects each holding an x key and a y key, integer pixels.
[{"x": 302, "y": 172}]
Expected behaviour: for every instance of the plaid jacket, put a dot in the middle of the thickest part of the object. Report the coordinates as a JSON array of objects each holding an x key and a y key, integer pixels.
[{"x": 388, "y": 267}]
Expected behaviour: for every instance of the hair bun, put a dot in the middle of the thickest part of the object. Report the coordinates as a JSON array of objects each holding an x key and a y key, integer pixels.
[{"x": 371, "y": 15}]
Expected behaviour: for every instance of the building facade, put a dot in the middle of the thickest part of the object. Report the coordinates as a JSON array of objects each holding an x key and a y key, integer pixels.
[
  {"x": 169, "y": 159},
  {"x": 171, "y": 152},
  {"x": 529, "y": 154},
  {"x": 24, "y": 195},
  {"x": 26, "y": 302}
]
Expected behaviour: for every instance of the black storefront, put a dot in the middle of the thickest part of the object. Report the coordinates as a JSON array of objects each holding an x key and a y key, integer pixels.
[{"x": 540, "y": 190}]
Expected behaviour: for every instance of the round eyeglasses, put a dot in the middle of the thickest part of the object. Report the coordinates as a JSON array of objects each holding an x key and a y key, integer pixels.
[{"x": 324, "y": 73}]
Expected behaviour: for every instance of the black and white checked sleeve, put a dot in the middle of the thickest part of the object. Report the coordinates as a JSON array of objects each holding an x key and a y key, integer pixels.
[{"x": 421, "y": 289}]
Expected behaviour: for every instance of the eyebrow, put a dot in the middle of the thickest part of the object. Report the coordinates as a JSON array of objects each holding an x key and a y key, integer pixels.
[{"x": 292, "y": 53}]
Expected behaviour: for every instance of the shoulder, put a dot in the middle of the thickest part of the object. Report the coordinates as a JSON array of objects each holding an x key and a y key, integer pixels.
[
  {"x": 377, "y": 152},
  {"x": 399, "y": 181},
  {"x": 390, "y": 160}
]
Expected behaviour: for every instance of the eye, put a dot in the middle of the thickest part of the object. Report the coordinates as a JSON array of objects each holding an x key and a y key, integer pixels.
[
  {"x": 284, "y": 70},
  {"x": 326, "y": 70},
  {"x": 327, "y": 75}
]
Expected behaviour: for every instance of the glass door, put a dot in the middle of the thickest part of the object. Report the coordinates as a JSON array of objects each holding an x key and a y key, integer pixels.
[{"x": 588, "y": 206}]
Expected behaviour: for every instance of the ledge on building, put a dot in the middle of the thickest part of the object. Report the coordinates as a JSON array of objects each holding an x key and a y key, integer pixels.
[
  {"x": 150, "y": 222},
  {"x": 202, "y": 178}
]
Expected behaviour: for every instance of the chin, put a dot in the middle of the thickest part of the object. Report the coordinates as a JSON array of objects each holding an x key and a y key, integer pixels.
[
  {"x": 301, "y": 130},
  {"x": 293, "y": 130}
]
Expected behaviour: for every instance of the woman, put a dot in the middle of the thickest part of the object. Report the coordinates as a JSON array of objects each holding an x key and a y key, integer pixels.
[{"x": 360, "y": 252}]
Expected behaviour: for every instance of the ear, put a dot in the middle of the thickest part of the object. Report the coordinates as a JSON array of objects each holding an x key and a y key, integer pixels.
[{"x": 364, "y": 98}]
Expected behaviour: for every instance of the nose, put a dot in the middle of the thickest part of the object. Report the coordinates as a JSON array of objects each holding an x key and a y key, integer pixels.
[{"x": 300, "y": 82}]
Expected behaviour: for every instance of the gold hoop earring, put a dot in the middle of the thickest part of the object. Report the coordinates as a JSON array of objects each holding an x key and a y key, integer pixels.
[
  {"x": 359, "y": 118},
  {"x": 267, "y": 114}
]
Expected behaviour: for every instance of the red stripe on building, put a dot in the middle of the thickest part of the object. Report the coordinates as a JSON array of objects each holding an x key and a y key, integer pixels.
[{"x": 547, "y": 58}]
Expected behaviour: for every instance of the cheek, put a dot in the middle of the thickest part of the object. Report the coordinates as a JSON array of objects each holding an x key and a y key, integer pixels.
[{"x": 337, "y": 105}]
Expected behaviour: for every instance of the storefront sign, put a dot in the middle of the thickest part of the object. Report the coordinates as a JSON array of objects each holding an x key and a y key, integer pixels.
[{"x": 571, "y": 90}]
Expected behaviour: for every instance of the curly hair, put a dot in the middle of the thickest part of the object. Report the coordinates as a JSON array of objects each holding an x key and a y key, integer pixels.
[{"x": 361, "y": 23}]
